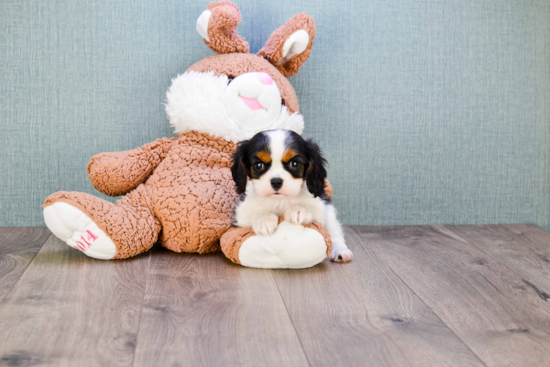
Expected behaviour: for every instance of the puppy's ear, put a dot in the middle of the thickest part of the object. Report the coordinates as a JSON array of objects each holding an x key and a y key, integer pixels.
[
  {"x": 316, "y": 172},
  {"x": 238, "y": 168}
]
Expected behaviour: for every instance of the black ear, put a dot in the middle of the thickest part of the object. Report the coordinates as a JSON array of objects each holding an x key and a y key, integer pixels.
[
  {"x": 316, "y": 172},
  {"x": 238, "y": 169}
]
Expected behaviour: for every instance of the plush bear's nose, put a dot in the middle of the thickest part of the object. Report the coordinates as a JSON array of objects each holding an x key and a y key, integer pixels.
[
  {"x": 265, "y": 78},
  {"x": 276, "y": 183}
]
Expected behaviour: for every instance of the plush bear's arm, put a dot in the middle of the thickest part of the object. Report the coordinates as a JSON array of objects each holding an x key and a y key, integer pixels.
[{"x": 118, "y": 173}]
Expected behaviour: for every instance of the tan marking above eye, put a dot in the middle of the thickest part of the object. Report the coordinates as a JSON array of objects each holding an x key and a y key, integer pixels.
[
  {"x": 289, "y": 154},
  {"x": 264, "y": 156}
]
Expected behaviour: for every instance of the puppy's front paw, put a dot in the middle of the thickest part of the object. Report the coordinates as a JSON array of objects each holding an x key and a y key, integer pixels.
[
  {"x": 298, "y": 216},
  {"x": 340, "y": 254},
  {"x": 266, "y": 224}
]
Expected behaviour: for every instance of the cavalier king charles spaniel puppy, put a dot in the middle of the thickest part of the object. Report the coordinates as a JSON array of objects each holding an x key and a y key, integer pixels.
[{"x": 278, "y": 173}]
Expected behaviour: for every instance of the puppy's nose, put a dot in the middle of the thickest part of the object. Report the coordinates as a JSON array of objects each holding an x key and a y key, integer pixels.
[{"x": 276, "y": 183}]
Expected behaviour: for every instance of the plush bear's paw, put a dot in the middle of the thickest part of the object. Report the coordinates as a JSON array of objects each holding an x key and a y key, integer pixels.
[
  {"x": 340, "y": 253},
  {"x": 266, "y": 224},
  {"x": 292, "y": 246},
  {"x": 298, "y": 215},
  {"x": 76, "y": 229}
]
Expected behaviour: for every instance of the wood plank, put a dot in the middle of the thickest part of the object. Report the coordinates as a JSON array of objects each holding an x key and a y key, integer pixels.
[
  {"x": 524, "y": 249},
  {"x": 488, "y": 306},
  {"x": 18, "y": 246},
  {"x": 203, "y": 310},
  {"x": 348, "y": 314},
  {"x": 533, "y": 237},
  {"x": 70, "y": 310}
]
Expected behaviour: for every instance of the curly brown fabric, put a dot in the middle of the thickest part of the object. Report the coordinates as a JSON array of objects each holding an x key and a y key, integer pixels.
[
  {"x": 273, "y": 49},
  {"x": 190, "y": 195},
  {"x": 194, "y": 193},
  {"x": 118, "y": 173},
  {"x": 232, "y": 240},
  {"x": 322, "y": 230},
  {"x": 222, "y": 28}
]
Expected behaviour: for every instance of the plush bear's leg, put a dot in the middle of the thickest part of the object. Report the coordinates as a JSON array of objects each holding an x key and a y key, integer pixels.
[
  {"x": 100, "y": 229},
  {"x": 292, "y": 246}
]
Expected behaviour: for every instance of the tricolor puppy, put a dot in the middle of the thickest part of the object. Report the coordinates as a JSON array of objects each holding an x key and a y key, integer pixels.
[{"x": 279, "y": 174}]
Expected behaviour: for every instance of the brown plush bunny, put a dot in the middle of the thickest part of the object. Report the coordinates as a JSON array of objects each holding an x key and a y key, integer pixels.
[{"x": 179, "y": 191}]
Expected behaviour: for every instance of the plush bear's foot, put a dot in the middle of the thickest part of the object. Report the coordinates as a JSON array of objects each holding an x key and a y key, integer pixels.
[
  {"x": 76, "y": 229},
  {"x": 340, "y": 254},
  {"x": 292, "y": 246}
]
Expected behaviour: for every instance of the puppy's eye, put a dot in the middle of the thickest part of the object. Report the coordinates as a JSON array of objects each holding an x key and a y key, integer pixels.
[
  {"x": 259, "y": 166},
  {"x": 293, "y": 164}
]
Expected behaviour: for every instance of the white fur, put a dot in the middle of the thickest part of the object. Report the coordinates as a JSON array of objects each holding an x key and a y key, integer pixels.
[
  {"x": 199, "y": 102},
  {"x": 266, "y": 223},
  {"x": 255, "y": 207},
  {"x": 261, "y": 205}
]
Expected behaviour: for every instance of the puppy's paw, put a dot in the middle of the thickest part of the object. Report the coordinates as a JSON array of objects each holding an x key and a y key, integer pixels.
[
  {"x": 340, "y": 254},
  {"x": 298, "y": 215},
  {"x": 266, "y": 224}
]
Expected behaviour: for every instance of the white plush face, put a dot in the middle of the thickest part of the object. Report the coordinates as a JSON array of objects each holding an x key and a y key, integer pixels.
[
  {"x": 253, "y": 99},
  {"x": 234, "y": 110}
]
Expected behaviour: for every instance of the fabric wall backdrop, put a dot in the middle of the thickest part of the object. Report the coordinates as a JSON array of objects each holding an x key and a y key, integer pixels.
[{"x": 428, "y": 111}]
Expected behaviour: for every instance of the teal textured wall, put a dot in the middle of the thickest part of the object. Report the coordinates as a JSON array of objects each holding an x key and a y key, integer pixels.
[{"x": 428, "y": 111}]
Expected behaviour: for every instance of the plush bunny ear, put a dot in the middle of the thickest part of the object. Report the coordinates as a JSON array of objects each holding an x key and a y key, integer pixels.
[
  {"x": 218, "y": 27},
  {"x": 289, "y": 46}
]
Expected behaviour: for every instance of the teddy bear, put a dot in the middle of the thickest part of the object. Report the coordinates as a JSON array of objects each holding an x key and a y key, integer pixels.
[{"x": 179, "y": 191}]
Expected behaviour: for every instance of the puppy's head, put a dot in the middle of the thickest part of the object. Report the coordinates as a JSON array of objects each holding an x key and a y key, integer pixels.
[{"x": 278, "y": 162}]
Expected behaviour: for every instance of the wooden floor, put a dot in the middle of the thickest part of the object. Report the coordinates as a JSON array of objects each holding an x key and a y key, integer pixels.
[{"x": 412, "y": 296}]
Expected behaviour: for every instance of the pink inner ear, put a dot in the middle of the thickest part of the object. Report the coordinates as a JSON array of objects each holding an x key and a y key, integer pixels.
[{"x": 252, "y": 103}]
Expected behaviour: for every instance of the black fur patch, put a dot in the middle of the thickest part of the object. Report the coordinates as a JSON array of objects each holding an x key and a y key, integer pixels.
[
  {"x": 244, "y": 160},
  {"x": 311, "y": 161}
]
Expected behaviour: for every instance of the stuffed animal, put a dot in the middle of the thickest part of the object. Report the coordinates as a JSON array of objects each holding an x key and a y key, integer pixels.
[{"x": 179, "y": 191}]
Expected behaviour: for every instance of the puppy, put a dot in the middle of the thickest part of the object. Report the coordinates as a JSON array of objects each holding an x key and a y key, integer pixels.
[{"x": 279, "y": 174}]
